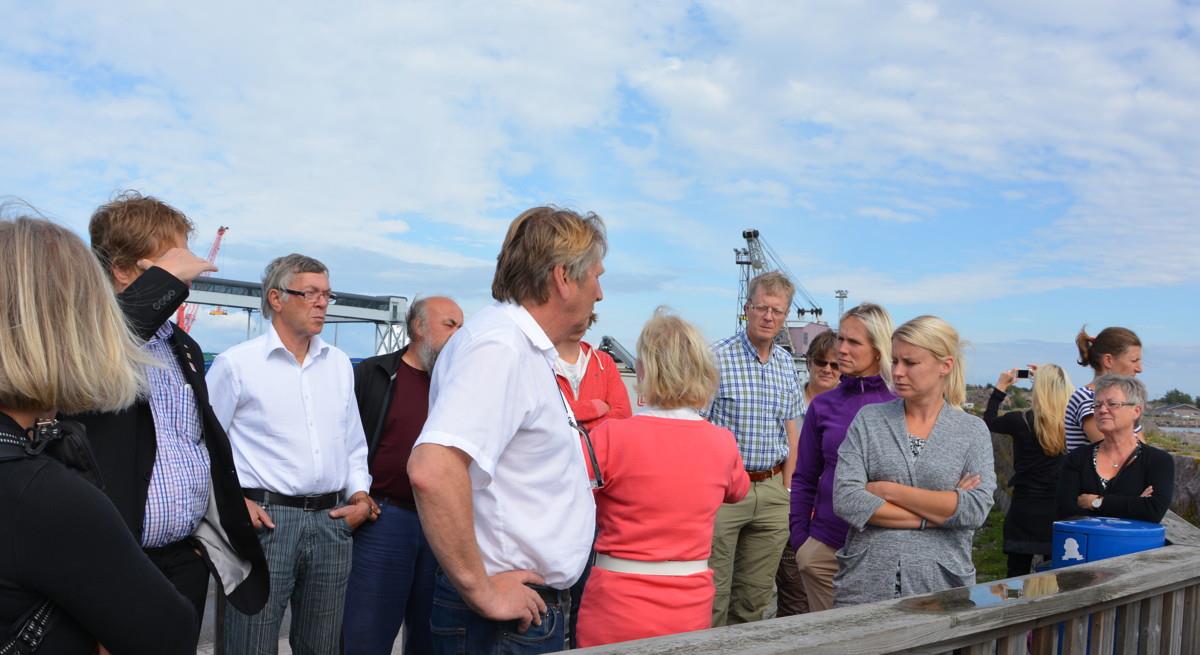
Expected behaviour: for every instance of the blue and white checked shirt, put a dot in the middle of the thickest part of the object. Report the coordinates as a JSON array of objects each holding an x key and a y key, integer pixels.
[
  {"x": 754, "y": 399},
  {"x": 178, "y": 495}
]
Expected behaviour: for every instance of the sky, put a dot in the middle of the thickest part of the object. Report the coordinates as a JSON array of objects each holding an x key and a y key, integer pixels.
[{"x": 1019, "y": 168}]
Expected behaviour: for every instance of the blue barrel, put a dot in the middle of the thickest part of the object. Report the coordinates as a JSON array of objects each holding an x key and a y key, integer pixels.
[{"x": 1093, "y": 539}]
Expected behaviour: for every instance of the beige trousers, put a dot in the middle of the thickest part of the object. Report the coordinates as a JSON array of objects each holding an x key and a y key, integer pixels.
[
  {"x": 747, "y": 540},
  {"x": 818, "y": 565}
]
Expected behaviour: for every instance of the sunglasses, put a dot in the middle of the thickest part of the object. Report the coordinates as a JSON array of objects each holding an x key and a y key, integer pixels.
[{"x": 822, "y": 363}]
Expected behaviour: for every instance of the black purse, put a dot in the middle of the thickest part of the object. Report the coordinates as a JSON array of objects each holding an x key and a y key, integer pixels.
[{"x": 66, "y": 442}]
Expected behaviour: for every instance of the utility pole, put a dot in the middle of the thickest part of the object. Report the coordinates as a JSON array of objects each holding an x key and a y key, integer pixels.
[{"x": 841, "y": 295}]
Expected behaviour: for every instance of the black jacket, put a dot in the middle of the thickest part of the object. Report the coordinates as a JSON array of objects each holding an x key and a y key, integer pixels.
[
  {"x": 373, "y": 381},
  {"x": 125, "y": 443}
]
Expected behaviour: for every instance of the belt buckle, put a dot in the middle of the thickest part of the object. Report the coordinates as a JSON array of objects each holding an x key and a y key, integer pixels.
[{"x": 310, "y": 503}]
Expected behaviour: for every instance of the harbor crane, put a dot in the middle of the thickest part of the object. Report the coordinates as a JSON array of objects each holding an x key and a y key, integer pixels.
[{"x": 186, "y": 316}]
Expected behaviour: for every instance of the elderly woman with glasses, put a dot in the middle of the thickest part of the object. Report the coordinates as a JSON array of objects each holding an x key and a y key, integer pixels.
[
  {"x": 1118, "y": 476},
  {"x": 661, "y": 476}
]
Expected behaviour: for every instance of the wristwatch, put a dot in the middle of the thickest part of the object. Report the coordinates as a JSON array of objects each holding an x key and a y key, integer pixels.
[{"x": 1096, "y": 502}]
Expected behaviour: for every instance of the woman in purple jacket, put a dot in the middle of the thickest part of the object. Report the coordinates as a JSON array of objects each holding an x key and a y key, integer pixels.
[{"x": 864, "y": 353}]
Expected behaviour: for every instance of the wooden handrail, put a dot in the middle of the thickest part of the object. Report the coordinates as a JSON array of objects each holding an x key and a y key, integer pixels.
[{"x": 1157, "y": 589}]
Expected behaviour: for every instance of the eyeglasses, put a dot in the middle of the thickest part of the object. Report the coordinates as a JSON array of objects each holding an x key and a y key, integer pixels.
[
  {"x": 767, "y": 309},
  {"x": 1112, "y": 405},
  {"x": 822, "y": 363},
  {"x": 310, "y": 297}
]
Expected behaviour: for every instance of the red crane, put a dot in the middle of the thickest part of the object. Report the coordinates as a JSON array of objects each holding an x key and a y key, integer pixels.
[{"x": 186, "y": 315}]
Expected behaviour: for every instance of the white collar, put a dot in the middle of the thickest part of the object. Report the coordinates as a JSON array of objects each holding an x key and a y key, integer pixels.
[
  {"x": 685, "y": 413},
  {"x": 316, "y": 345}
]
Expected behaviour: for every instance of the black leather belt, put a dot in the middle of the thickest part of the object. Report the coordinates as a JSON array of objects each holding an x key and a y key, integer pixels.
[
  {"x": 551, "y": 595},
  {"x": 306, "y": 503}
]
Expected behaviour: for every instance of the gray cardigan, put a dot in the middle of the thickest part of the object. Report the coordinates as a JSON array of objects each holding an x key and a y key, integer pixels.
[{"x": 876, "y": 448}]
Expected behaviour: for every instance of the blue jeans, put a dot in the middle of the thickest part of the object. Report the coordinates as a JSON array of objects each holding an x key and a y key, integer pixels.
[
  {"x": 459, "y": 631},
  {"x": 308, "y": 555},
  {"x": 391, "y": 582}
]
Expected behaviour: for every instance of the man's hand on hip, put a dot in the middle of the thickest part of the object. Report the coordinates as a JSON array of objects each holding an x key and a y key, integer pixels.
[
  {"x": 505, "y": 597},
  {"x": 359, "y": 509}
]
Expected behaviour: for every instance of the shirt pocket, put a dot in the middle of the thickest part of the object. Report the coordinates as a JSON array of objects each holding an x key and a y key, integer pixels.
[{"x": 187, "y": 413}]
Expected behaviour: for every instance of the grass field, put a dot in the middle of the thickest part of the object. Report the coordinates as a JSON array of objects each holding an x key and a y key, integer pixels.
[{"x": 990, "y": 561}]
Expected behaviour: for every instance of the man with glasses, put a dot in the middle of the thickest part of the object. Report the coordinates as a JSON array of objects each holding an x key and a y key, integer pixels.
[
  {"x": 165, "y": 460},
  {"x": 498, "y": 472},
  {"x": 287, "y": 401},
  {"x": 758, "y": 400}
]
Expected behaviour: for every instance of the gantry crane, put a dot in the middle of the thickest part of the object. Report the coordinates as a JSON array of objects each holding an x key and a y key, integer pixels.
[
  {"x": 186, "y": 315},
  {"x": 758, "y": 257}
]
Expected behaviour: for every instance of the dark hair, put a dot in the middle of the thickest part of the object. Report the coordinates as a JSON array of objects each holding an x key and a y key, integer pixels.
[
  {"x": 821, "y": 344},
  {"x": 1111, "y": 341}
]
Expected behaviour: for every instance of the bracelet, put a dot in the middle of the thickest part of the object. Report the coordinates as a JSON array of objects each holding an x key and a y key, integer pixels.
[{"x": 923, "y": 524}]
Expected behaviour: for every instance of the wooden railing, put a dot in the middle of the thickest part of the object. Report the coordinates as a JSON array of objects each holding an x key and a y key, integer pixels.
[{"x": 1148, "y": 602}]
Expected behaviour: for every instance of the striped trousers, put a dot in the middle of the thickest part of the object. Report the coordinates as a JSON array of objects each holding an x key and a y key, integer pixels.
[{"x": 309, "y": 555}]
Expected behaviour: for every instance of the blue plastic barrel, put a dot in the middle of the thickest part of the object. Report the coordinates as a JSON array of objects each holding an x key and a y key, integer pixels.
[{"x": 1093, "y": 539}]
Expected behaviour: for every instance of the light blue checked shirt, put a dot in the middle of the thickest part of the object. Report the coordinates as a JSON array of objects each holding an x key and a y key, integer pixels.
[
  {"x": 178, "y": 495},
  {"x": 754, "y": 399}
]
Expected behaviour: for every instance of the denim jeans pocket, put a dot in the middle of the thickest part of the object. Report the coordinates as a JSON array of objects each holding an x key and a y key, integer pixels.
[{"x": 544, "y": 638}]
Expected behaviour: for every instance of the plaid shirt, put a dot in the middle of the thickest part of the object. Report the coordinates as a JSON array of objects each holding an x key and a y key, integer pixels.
[
  {"x": 754, "y": 399},
  {"x": 178, "y": 494}
]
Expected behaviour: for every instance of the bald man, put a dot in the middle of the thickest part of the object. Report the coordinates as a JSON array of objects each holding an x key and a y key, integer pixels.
[{"x": 391, "y": 579}]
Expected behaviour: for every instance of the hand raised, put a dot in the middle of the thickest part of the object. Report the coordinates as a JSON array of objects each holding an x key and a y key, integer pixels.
[
  {"x": 181, "y": 263},
  {"x": 507, "y": 598}
]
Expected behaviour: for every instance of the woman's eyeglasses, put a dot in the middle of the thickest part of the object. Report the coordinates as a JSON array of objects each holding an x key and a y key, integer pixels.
[
  {"x": 1112, "y": 405},
  {"x": 822, "y": 363}
]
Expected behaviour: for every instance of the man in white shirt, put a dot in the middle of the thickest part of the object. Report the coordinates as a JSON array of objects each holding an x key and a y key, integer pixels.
[
  {"x": 287, "y": 401},
  {"x": 498, "y": 471}
]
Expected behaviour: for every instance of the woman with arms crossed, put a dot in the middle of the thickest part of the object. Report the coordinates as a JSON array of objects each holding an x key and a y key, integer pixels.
[
  {"x": 914, "y": 476},
  {"x": 1118, "y": 476},
  {"x": 64, "y": 347},
  {"x": 864, "y": 352}
]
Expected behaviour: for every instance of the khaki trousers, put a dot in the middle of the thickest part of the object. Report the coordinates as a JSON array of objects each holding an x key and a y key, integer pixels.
[
  {"x": 747, "y": 540},
  {"x": 817, "y": 564}
]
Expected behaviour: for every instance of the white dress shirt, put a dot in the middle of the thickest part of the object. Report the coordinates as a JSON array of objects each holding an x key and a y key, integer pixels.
[
  {"x": 294, "y": 428},
  {"x": 494, "y": 396}
]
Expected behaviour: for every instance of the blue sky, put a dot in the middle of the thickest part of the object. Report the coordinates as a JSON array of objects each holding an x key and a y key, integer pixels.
[{"x": 1017, "y": 168}]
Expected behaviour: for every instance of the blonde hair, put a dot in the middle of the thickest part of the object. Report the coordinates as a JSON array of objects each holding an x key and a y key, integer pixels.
[
  {"x": 537, "y": 241},
  {"x": 64, "y": 343},
  {"x": 1051, "y": 391},
  {"x": 941, "y": 339},
  {"x": 879, "y": 325},
  {"x": 675, "y": 364}
]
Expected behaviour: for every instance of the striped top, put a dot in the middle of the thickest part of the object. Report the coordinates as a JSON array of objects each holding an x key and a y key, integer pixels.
[{"x": 1079, "y": 407}]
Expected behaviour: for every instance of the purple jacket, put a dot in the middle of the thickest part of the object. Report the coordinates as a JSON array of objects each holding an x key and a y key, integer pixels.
[{"x": 824, "y": 429}]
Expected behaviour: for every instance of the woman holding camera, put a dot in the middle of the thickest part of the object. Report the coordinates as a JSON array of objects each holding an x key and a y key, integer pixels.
[
  {"x": 914, "y": 476},
  {"x": 72, "y": 575},
  {"x": 1039, "y": 450}
]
